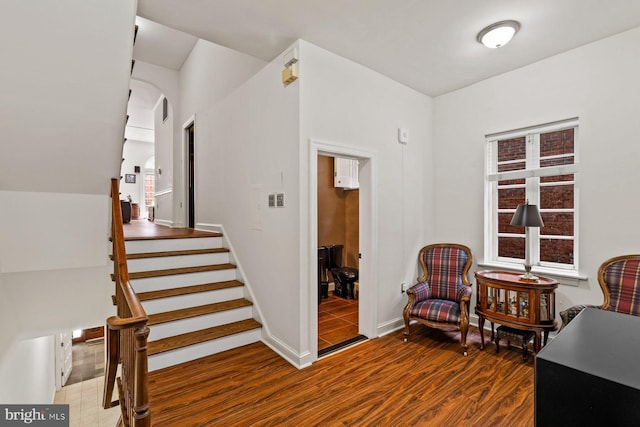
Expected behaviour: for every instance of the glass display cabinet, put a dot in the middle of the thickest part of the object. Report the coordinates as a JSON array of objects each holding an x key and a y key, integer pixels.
[{"x": 503, "y": 297}]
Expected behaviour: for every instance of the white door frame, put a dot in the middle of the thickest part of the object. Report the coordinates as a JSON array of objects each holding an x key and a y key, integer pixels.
[
  {"x": 63, "y": 357},
  {"x": 185, "y": 170},
  {"x": 368, "y": 238}
]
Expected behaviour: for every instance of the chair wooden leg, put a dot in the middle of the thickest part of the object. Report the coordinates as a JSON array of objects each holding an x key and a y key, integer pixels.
[
  {"x": 405, "y": 333},
  {"x": 463, "y": 338}
]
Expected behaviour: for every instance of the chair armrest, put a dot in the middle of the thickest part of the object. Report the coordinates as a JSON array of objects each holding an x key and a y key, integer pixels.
[
  {"x": 420, "y": 292},
  {"x": 464, "y": 293},
  {"x": 570, "y": 313}
]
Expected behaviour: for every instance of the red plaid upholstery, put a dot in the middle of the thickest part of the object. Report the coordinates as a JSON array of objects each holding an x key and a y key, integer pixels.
[
  {"x": 441, "y": 297},
  {"x": 437, "y": 310},
  {"x": 619, "y": 278},
  {"x": 421, "y": 291},
  {"x": 444, "y": 272},
  {"x": 623, "y": 281}
]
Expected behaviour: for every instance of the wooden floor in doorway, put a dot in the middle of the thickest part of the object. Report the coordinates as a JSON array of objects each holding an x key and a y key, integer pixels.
[{"x": 337, "y": 321}]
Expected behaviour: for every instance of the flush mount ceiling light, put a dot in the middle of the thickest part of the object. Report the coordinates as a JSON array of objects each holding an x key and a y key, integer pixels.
[{"x": 498, "y": 34}]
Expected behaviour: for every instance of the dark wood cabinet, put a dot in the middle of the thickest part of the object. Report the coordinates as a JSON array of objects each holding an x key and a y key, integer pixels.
[
  {"x": 502, "y": 297},
  {"x": 588, "y": 375}
]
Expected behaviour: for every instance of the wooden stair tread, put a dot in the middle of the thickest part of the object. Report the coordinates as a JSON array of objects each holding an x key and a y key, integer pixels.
[
  {"x": 196, "y": 337},
  {"x": 185, "y": 290},
  {"x": 186, "y": 235},
  {"x": 186, "y": 313},
  {"x": 177, "y": 253},
  {"x": 146, "y": 255},
  {"x": 181, "y": 270}
]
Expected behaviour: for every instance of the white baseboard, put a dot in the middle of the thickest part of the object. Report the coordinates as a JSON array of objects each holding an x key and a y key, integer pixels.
[
  {"x": 299, "y": 361},
  {"x": 164, "y": 222},
  {"x": 217, "y": 228},
  {"x": 390, "y": 326}
]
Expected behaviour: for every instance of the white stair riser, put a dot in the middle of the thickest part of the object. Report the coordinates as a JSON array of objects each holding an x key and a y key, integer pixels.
[
  {"x": 165, "y": 245},
  {"x": 186, "y": 354},
  {"x": 162, "y": 263},
  {"x": 177, "y": 327},
  {"x": 180, "y": 280},
  {"x": 161, "y": 305}
]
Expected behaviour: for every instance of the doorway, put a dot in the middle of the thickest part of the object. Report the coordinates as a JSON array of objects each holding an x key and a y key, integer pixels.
[
  {"x": 366, "y": 252},
  {"x": 338, "y": 252},
  {"x": 191, "y": 204}
]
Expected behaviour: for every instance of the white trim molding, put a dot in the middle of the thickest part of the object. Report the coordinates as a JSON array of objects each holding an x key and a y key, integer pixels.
[
  {"x": 163, "y": 192},
  {"x": 368, "y": 248}
]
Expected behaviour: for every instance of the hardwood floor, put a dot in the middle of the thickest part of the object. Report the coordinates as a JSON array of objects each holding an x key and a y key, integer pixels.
[
  {"x": 380, "y": 382},
  {"x": 141, "y": 229},
  {"x": 337, "y": 321}
]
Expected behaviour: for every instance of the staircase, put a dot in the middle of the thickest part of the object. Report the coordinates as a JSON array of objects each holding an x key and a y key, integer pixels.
[{"x": 195, "y": 303}]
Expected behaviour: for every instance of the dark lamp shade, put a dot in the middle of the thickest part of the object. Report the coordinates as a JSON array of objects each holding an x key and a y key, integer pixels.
[{"x": 527, "y": 216}]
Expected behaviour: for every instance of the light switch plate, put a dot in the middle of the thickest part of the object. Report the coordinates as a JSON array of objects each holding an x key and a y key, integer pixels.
[
  {"x": 272, "y": 200},
  {"x": 403, "y": 135},
  {"x": 279, "y": 200}
]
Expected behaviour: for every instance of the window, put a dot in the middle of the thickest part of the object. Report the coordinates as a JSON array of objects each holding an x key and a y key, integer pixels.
[
  {"x": 537, "y": 164},
  {"x": 149, "y": 188},
  {"x": 165, "y": 109}
]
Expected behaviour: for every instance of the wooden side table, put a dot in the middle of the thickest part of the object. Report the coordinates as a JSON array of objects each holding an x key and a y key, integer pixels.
[{"x": 502, "y": 297}]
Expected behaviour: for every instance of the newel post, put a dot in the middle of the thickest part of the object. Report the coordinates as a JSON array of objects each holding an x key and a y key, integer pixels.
[{"x": 142, "y": 415}]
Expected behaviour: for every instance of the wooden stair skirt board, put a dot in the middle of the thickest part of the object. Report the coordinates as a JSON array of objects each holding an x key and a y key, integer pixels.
[{"x": 191, "y": 293}]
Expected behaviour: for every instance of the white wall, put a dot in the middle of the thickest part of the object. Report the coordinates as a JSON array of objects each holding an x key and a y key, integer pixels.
[
  {"x": 54, "y": 260},
  {"x": 166, "y": 81},
  {"x": 247, "y": 145},
  {"x": 164, "y": 140},
  {"x": 597, "y": 83},
  {"x": 210, "y": 73},
  {"x": 135, "y": 153},
  {"x": 27, "y": 372},
  {"x": 64, "y": 94},
  {"x": 54, "y": 275},
  {"x": 8, "y": 317},
  {"x": 347, "y": 104},
  {"x": 256, "y": 141},
  {"x": 50, "y": 231}
]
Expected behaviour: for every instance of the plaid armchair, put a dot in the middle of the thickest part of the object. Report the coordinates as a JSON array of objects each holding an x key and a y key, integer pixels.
[
  {"x": 619, "y": 279},
  {"x": 441, "y": 297}
]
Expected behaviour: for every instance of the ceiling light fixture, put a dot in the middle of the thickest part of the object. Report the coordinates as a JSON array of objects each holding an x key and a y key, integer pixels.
[{"x": 498, "y": 34}]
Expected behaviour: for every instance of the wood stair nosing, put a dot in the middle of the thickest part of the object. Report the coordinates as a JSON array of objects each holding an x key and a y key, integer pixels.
[
  {"x": 189, "y": 312},
  {"x": 146, "y": 255},
  {"x": 177, "y": 253},
  {"x": 203, "y": 335},
  {"x": 174, "y": 236},
  {"x": 180, "y": 270},
  {"x": 185, "y": 290}
]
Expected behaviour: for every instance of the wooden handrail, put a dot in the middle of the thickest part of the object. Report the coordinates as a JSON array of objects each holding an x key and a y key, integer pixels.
[
  {"x": 127, "y": 334},
  {"x": 120, "y": 255}
]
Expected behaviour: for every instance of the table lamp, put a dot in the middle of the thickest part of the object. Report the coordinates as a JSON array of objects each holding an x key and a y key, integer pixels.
[{"x": 527, "y": 216}]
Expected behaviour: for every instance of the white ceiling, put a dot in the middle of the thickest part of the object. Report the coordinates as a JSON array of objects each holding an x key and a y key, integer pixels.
[
  {"x": 429, "y": 45},
  {"x": 161, "y": 45}
]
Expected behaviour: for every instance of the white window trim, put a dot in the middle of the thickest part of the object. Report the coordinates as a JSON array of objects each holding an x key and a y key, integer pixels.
[{"x": 568, "y": 275}]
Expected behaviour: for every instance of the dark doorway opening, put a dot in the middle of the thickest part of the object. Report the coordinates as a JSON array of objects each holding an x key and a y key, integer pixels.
[{"x": 190, "y": 134}]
